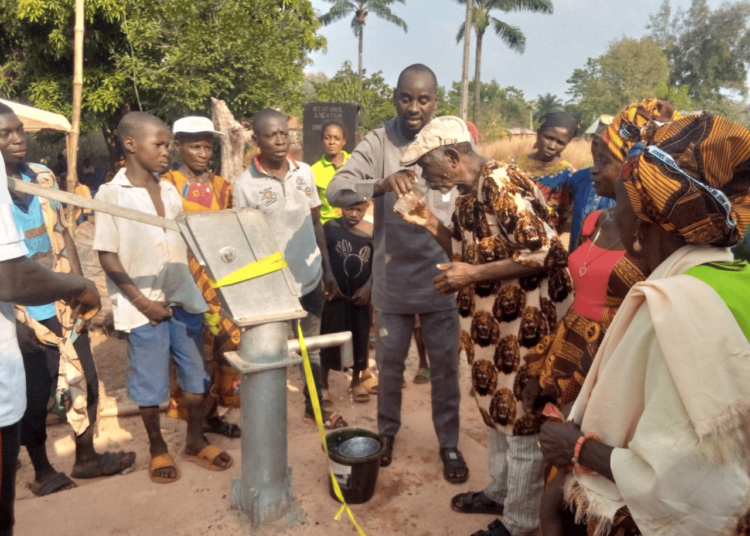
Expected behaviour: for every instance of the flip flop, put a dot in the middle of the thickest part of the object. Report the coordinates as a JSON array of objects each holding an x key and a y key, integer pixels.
[
  {"x": 52, "y": 484},
  {"x": 108, "y": 464},
  {"x": 160, "y": 462},
  {"x": 331, "y": 420},
  {"x": 360, "y": 394},
  {"x": 371, "y": 384},
  {"x": 221, "y": 426},
  {"x": 325, "y": 399},
  {"x": 423, "y": 376},
  {"x": 206, "y": 457}
]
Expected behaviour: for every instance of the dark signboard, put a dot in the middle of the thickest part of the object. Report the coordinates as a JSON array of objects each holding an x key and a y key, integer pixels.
[{"x": 315, "y": 114}]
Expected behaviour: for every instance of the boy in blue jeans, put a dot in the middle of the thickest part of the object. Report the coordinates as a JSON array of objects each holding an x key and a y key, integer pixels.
[{"x": 154, "y": 297}]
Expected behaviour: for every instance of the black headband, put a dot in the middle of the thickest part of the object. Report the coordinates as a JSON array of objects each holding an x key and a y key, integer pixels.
[{"x": 560, "y": 119}]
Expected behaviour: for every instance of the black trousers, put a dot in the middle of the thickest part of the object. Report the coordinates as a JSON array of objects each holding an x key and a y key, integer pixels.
[
  {"x": 10, "y": 444},
  {"x": 42, "y": 366}
]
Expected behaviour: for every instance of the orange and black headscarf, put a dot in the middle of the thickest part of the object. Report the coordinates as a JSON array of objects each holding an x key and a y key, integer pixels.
[
  {"x": 625, "y": 128},
  {"x": 692, "y": 177}
]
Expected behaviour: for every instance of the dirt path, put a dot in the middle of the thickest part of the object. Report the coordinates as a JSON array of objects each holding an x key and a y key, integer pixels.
[{"x": 411, "y": 496}]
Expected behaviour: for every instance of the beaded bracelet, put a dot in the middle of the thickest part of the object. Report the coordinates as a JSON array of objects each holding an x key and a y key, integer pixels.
[{"x": 577, "y": 452}]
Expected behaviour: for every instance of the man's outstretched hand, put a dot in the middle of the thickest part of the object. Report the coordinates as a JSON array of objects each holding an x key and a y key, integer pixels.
[
  {"x": 455, "y": 276},
  {"x": 400, "y": 182}
]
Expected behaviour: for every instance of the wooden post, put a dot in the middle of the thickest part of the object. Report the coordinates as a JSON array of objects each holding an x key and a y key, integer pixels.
[
  {"x": 233, "y": 142},
  {"x": 467, "y": 57},
  {"x": 76, "y": 119}
]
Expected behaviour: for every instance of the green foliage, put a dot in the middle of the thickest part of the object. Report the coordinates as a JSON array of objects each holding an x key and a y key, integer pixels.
[
  {"x": 709, "y": 52},
  {"x": 631, "y": 70},
  {"x": 359, "y": 9},
  {"x": 499, "y": 108},
  {"x": 377, "y": 96},
  {"x": 167, "y": 57},
  {"x": 512, "y": 36},
  {"x": 546, "y": 104}
]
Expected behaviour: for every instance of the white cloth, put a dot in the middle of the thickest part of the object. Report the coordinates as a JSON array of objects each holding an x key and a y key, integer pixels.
[
  {"x": 286, "y": 205},
  {"x": 669, "y": 389},
  {"x": 12, "y": 375},
  {"x": 154, "y": 258},
  {"x": 517, "y": 472}
]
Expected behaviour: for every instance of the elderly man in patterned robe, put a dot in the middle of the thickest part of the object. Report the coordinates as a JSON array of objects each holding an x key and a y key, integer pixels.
[{"x": 510, "y": 272}]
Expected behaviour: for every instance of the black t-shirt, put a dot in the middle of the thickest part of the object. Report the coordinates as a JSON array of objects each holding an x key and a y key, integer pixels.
[{"x": 350, "y": 255}]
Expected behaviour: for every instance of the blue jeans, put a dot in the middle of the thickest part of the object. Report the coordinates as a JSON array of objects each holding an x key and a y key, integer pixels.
[{"x": 149, "y": 349}]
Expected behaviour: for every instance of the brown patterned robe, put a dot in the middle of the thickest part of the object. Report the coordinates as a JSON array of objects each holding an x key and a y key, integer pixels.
[{"x": 506, "y": 217}]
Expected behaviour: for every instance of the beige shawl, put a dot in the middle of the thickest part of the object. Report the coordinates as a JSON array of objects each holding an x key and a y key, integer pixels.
[{"x": 670, "y": 390}]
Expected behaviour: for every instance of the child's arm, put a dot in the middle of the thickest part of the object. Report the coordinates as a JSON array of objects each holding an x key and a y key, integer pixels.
[
  {"x": 333, "y": 292},
  {"x": 155, "y": 311},
  {"x": 362, "y": 296}
]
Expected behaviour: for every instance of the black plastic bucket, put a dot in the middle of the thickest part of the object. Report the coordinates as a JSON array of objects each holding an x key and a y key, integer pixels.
[{"x": 355, "y": 464}]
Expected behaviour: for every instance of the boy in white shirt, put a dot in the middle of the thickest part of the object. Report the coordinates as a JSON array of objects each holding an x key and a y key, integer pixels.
[{"x": 154, "y": 297}]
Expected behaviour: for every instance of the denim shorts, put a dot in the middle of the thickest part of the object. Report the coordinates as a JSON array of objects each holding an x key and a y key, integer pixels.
[{"x": 149, "y": 350}]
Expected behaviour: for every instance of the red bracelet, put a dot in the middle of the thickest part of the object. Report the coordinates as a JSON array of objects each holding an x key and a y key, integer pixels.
[{"x": 577, "y": 452}]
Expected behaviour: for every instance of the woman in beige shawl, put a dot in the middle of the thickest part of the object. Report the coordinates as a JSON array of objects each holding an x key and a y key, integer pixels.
[{"x": 658, "y": 437}]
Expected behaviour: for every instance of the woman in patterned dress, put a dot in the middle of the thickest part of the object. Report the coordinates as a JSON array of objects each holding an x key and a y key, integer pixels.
[{"x": 202, "y": 190}]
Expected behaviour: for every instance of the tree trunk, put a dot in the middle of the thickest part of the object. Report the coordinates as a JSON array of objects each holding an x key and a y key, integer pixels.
[
  {"x": 477, "y": 78},
  {"x": 233, "y": 142},
  {"x": 467, "y": 55},
  {"x": 359, "y": 76},
  {"x": 75, "y": 122}
]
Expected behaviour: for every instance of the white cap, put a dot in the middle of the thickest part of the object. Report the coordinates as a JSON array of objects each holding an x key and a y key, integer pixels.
[
  {"x": 195, "y": 125},
  {"x": 446, "y": 130}
]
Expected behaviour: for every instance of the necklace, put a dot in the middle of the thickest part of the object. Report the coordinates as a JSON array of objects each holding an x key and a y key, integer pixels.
[{"x": 583, "y": 269}]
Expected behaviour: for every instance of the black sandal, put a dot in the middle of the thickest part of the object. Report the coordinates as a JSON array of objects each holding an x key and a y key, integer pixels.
[
  {"x": 221, "y": 426},
  {"x": 386, "y": 457},
  {"x": 476, "y": 502},
  {"x": 453, "y": 460}
]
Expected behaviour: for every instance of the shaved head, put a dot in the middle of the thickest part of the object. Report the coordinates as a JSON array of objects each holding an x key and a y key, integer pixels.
[
  {"x": 137, "y": 124},
  {"x": 264, "y": 115},
  {"x": 417, "y": 68}
]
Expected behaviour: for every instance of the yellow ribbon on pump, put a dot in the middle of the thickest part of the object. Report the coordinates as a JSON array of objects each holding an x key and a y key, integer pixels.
[
  {"x": 321, "y": 429},
  {"x": 212, "y": 321},
  {"x": 266, "y": 265}
]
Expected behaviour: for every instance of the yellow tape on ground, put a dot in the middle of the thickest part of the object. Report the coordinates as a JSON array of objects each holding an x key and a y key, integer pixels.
[
  {"x": 266, "y": 265},
  {"x": 321, "y": 429}
]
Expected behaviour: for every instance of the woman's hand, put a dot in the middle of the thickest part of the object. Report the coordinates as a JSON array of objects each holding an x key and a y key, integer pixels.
[
  {"x": 558, "y": 442},
  {"x": 419, "y": 215},
  {"x": 455, "y": 276},
  {"x": 362, "y": 296}
]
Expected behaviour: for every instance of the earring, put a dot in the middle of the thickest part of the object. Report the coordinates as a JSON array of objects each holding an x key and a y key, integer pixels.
[{"x": 637, "y": 247}]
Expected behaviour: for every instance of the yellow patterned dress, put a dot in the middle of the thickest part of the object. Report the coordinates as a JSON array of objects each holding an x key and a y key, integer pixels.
[
  {"x": 505, "y": 217},
  {"x": 220, "y": 334}
]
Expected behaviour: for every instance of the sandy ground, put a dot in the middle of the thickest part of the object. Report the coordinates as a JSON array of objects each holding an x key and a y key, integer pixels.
[{"x": 411, "y": 495}]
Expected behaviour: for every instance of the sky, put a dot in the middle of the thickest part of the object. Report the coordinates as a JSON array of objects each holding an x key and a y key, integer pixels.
[{"x": 556, "y": 44}]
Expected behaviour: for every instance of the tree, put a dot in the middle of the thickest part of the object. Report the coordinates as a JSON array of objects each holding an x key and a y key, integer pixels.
[
  {"x": 631, "y": 70},
  {"x": 500, "y": 108},
  {"x": 360, "y": 9},
  {"x": 166, "y": 57},
  {"x": 546, "y": 104},
  {"x": 512, "y": 36},
  {"x": 709, "y": 51}
]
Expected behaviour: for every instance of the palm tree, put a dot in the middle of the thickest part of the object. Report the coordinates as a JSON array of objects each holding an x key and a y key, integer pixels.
[
  {"x": 360, "y": 9},
  {"x": 546, "y": 104},
  {"x": 510, "y": 35}
]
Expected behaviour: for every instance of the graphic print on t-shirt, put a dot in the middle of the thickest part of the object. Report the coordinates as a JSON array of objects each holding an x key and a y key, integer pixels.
[{"x": 353, "y": 263}]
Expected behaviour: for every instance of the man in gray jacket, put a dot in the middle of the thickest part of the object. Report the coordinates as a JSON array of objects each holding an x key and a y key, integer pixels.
[{"x": 404, "y": 264}]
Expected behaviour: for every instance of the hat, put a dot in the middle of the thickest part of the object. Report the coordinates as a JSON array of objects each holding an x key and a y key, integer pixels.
[
  {"x": 195, "y": 125},
  {"x": 447, "y": 130}
]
